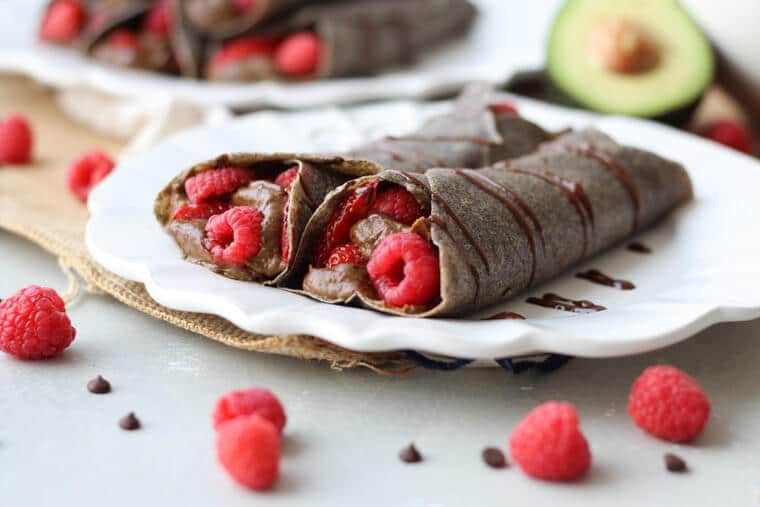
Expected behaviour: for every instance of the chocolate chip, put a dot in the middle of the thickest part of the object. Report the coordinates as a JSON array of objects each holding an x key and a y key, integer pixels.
[
  {"x": 99, "y": 385},
  {"x": 494, "y": 458},
  {"x": 410, "y": 454},
  {"x": 129, "y": 422},
  {"x": 674, "y": 463}
]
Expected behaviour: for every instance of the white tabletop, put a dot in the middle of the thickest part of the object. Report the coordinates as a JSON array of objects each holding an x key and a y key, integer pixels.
[{"x": 61, "y": 446}]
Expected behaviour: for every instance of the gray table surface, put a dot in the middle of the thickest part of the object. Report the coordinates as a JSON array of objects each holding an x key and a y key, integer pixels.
[{"x": 61, "y": 446}]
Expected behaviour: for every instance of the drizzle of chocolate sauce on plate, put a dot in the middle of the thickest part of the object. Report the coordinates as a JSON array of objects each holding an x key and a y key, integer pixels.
[
  {"x": 556, "y": 302},
  {"x": 639, "y": 248},
  {"x": 506, "y": 316},
  {"x": 596, "y": 276}
]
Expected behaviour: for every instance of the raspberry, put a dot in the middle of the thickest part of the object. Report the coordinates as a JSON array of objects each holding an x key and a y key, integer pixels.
[
  {"x": 299, "y": 55},
  {"x": 63, "y": 21},
  {"x": 159, "y": 20},
  {"x": 16, "y": 140},
  {"x": 502, "y": 107},
  {"x": 258, "y": 401},
  {"x": 216, "y": 183},
  {"x": 234, "y": 236},
  {"x": 338, "y": 229},
  {"x": 87, "y": 171},
  {"x": 248, "y": 447},
  {"x": 284, "y": 236},
  {"x": 200, "y": 211},
  {"x": 244, "y": 6},
  {"x": 287, "y": 178},
  {"x": 346, "y": 254},
  {"x": 123, "y": 39},
  {"x": 668, "y": 404},
  {"x": 548, "y": 445},
  {"x": 241, "y": 49},
  {"x": 731, "y": 134},
  {"x": 397, "y": 203},
  {"x": 404, "y": 269},
  {"x": 34, "y": 324}
]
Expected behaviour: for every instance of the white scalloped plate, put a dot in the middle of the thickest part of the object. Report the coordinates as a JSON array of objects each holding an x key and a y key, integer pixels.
[
  {"x": 704, "y": 268},
  {"x": 505, "y": 40}
]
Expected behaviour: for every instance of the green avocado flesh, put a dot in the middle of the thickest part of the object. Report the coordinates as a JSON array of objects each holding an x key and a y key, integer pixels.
[{"x": 684, "y": 68}]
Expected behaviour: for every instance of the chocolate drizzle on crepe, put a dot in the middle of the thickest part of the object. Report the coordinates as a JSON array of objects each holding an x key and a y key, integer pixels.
[
  {"x": 574, "y": 192},
  {"x": 592, "y": 152},
  {"x": 445, "y": 139},
  {"x": 478, "y": 180}
]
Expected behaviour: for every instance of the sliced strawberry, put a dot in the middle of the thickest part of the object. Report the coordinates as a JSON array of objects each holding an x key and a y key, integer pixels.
[
  {"x": 346, "y": 254},
  {"x": 200, "y": 211},
  {"x": 338, "y": 230}
]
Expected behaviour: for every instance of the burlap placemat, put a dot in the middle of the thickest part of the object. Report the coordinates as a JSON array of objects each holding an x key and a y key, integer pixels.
[{"x": 35, "y": 204}]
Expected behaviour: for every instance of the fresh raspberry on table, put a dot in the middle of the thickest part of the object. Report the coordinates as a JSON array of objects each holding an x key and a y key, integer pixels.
[
  {"x": 244, "y": 6},
  {"x": 248, "y": 447},
  {"x": 209, "y": 185},
  {"x": 87, "y": 171},
  {"x": 34, "y": 324},
  {"x": 123, "y": 39},
  {"x": 63, "y": 21},
  {"x": 200, "y": 211},
  {"x": 255, "y": 401},
  {"x": 159, "y": 19},
  {"x": 548, "y": 444},
  {"x": 503, "y": 107},
  {"x": 346, "y": 254},
  {"x": 242, "y": 49},
  {"x": 355, "y": 207},
  {"x": 286, "y": 178},
  {"x": 404, "y": 269},
  {"x": 16, "y": 140},
  {"x": 299, "y": 55},
  {"x": 397, "y": 203},
  {"x": 668, "y": 404},
  {"x": 730, "y": 133},
  {"x": 234, "y": 237}
]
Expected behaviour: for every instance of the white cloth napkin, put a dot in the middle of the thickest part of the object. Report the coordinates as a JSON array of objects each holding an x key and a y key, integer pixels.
[{"x": 143, "y": 122}]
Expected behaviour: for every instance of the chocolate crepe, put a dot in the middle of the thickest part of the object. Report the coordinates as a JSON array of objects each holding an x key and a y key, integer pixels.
[
  {"x": 505, "y": 228},
  {"x": 471, "y": 134},
  {"x": 366, "y": 36},
  {"x": 359, "y": 37},
  {"x": 217, "y": 19}
]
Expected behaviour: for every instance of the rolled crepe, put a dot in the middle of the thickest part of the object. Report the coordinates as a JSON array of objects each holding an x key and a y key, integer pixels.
[
  {"x": 218, "y": 19},
  {"x": 104, "y": 16},
  {"x": 366, "y": 36},
  {"x": 360, "y": 37},
  {"x": 471, "y": 134},
  {"x": 505, "y": 228}
]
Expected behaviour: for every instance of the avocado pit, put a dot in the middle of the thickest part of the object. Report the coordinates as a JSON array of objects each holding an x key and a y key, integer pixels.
[{"x": 623, "y": 46}]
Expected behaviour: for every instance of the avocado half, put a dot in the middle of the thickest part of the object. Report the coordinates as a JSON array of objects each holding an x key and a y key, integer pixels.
[{"x": 685, "y": 63}]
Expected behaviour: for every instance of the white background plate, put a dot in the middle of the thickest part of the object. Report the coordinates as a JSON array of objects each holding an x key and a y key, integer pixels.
[
  {"x": 704, "y": 268},
  {"x": 508, "y": 37}
]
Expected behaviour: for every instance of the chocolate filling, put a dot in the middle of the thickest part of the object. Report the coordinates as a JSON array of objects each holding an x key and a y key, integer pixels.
[
  {"x": 255, "y": 68},
  {"x": 152, "y": 53},
  {"x": 206, "y": 14},
  {"x": 270, "y": 199},
  {"x": 367, "y": 234},
  {"x": 340, "y": 283}
]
